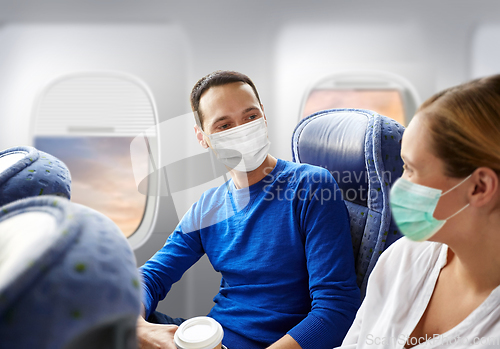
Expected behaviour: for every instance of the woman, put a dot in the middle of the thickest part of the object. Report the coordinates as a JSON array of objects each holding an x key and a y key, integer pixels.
[{"x": 438, "y": 287}]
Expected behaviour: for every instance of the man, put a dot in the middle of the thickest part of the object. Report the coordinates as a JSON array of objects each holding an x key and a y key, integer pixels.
[{"x": 285, "y": 255}]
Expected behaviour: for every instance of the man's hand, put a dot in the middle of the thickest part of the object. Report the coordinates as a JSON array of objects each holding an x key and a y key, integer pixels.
[
  {"x": 154, "y": 336},
  {"x": 285, "y": 342}
]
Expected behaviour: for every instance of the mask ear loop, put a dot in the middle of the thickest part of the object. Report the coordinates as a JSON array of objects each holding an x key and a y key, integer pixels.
[
  {"x": 453, "y": 215},
  {"x": 463, "y": 208},
  {"x": 459, "y": 184}
]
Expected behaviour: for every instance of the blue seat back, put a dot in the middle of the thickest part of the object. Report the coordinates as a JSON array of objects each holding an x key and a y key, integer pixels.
[
  {"x": 35, "y": 173},
  {"x": 79, "y": 288},
  {"x": 362, "y": 151},
  {"x": 73, "y": 283}
]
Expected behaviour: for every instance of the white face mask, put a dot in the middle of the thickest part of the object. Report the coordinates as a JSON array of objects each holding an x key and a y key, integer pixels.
[{"x": 243, "y": 148}]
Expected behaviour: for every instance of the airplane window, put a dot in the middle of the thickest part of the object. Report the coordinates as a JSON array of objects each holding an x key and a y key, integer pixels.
[
  {"x": 384, "y": 102},
  {"x": 88, "y": 120},
  {"x": 385, "y": 93},
  {"x": 101, "y": 176}
]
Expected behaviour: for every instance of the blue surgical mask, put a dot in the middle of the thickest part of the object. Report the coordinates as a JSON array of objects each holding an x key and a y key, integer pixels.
[{"x": 413, "y": 208}]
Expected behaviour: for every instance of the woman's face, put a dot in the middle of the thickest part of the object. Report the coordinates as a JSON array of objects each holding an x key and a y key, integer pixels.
[{"x": 423, "y": 167}]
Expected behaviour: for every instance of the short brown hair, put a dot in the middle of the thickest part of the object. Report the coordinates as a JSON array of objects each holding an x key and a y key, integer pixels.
[
  {"x": 464, "y": 125},
  {"x": 217, "y": 78}
]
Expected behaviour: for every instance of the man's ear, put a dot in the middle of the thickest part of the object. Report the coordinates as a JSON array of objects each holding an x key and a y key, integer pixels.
[
  {"x": 263, "y": 113},
  {"x": 200, "y": 137},
  {"x": 486, "y": 187}
]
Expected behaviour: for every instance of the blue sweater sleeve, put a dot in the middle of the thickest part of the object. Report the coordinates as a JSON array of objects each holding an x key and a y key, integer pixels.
[
  {"x": 167, "y": 266},
  {"x": 333, "y": 290}
]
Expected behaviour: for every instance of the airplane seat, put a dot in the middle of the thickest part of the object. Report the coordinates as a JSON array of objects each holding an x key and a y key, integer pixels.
[
  {"x": 68, "y": 278},
  {"x": 362, "y": 151},
  {"x": 26, "y": 171}
]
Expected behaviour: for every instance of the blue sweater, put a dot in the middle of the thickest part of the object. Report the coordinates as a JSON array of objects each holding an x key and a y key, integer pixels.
[{"x": 284, "y": 250}]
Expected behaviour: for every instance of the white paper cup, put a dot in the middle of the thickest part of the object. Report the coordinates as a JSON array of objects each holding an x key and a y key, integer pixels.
[{"x": 200, "y": 332}]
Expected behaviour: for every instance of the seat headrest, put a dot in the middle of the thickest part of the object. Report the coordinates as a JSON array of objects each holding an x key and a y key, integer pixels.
[
  {"x": 65, "y": 270},
  {"x": 27, "y": 172},
  {"x": 335, "y": 139},
  {"x": 360, "y": 148}
]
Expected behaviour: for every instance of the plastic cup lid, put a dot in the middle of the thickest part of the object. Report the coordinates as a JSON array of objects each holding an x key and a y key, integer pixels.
[{"x": 201, "y": 332}]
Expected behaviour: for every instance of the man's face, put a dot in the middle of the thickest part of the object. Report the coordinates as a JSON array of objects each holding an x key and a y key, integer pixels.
[{"x": 228, "y": 106}]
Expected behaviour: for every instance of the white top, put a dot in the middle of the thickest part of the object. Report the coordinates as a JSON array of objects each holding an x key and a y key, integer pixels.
[{"x": 398, "y": 292}]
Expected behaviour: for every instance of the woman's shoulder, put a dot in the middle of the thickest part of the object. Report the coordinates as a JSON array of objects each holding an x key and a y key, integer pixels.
[
  {"x": 413, "y": 250},
  {"x": 408, "y": 257}
]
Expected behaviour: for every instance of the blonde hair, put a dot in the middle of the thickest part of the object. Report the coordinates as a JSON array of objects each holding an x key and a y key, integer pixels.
[{"x": 464, "y": 125}]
